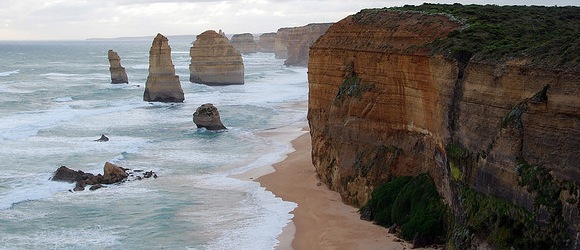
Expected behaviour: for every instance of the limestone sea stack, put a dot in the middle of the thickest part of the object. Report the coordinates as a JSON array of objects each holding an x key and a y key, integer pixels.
[
  {"x": 214, "y": 61},
  {"x": 162, "y": 83},
  {"x": 244, "y": 43},
  {"x": 207, "y": 116},
  {"x": 267, "y": 42},
  {"x": 118, "y": 74}
]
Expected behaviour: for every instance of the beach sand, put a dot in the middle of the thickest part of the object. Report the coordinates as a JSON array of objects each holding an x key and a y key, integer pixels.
[{"x": 321, "y": 220}]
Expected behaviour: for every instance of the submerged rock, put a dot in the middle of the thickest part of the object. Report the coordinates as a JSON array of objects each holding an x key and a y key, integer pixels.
[
  {"x": 118, "y": 74},
  {"x": 207, "y": 116},
  {"x": 162, "y": 83}
]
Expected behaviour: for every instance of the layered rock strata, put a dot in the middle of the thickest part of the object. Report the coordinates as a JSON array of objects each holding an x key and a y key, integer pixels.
[
  {"x": 293, "y": 44},
  {"x": 382, "y": 105},
  {"x": 207, "y": 116},
  {"x": 214, "y": 61},
  {"x": 118, "y": 74},
  {"x": 244, "y": 43},
  {"x": 267, "y": 42},
  {"x": 162, "y": 84}
]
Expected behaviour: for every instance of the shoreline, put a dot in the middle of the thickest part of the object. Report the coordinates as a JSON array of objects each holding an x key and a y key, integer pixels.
[{"x": 321, "y": 220}]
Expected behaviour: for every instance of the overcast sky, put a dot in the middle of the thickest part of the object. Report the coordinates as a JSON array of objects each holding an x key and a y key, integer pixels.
[{"x": 81, "y": 19}]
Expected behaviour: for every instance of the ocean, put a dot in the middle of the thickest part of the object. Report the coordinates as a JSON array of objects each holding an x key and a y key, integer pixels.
[{"x": 56, "y": 99}]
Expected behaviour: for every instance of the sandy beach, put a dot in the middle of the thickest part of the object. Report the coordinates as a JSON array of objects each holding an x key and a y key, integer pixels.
[{"x": 321, "y": 220}]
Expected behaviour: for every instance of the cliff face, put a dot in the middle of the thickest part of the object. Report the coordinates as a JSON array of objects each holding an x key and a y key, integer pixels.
[
  {"x": 244, "y": 43},
  {"x": 382, "y": 105},
  {"x": 214, "y": 61},
  {"x": 162, "y": 84},
  {"x": 293, "y": 44}
]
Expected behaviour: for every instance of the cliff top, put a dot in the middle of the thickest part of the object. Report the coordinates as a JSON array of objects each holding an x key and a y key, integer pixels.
[{"x": 547, "y": 37}]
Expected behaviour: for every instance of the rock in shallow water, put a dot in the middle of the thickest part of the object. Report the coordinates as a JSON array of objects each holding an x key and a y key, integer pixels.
[
  {"x": 162, "y": 83},
  {"x": 112, "y": 174},
  {"x": 207, "y": 116}
]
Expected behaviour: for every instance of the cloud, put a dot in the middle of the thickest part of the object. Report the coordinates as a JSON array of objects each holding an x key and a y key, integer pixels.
[{"x": 80, "y": 19}]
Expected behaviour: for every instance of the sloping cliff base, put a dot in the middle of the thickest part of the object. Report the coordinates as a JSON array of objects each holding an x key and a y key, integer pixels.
[{"x": 481, "y": 101}]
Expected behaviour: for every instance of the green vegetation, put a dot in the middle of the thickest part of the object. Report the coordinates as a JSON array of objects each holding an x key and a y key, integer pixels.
[
  {"x": 515, "y": 115},
  {"x": 547, "y": 191},
  {"x": 548, "y": 36},
  {"x": 412, "y": 203},
  {"x": 458, "y": 156},
  {"x": 352, "y": 86},
  {"x": 498, "y": 221}
]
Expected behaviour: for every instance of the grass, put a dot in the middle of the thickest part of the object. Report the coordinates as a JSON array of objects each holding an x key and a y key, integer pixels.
[{"x": 547, "y": 36}]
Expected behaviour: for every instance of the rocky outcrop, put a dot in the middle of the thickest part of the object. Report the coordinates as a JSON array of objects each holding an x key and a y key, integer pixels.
[
  {"x": 267, "y": 42},
  {"x": 118, "y": 74},
  {"x": 162, "y": 84},
  {"x": 244, "y": 43},
  {"x": 103, "y": 138},
  {"x": 214, "y": 61},
  {"x": 111, "y": 174},
  {"x": 382, "y": 104},
  {"x": 207, "y": 116},
  {"x": 293, "y": 44}
]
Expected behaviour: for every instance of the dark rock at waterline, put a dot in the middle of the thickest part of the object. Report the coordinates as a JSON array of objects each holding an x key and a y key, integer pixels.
[
  {"x": 103, "y": 139},
  {"x": 95, "y": 187},
  {"x": 66, "y": 174},
  {"x": 207, "y": 116},
  {"x": 112, "y": 174}
]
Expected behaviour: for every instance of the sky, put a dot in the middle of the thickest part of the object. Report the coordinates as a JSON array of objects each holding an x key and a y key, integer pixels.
[{"x": 82, "y": 19}]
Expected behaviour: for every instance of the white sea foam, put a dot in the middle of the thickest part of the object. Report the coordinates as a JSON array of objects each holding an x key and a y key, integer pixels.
[
  {"x": 29, "y": 187},
  {"x": 96, "y": 237},
  {"x": 71, "y": 104},
  {"x": 8, "y": 73}
]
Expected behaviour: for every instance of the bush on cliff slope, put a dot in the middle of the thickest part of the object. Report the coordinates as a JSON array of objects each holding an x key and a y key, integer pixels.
[
  {"x": 547, "y": 36},
  {"x": 412, "y": 203}
]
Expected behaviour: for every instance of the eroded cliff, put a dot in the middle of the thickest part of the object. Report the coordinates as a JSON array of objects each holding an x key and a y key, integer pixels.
[
  {"x": 293, "y": 44},
  {"x": 387, "y": 99}
]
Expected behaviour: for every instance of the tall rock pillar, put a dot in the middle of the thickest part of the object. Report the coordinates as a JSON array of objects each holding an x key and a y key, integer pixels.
[
  {"x": 162, "y": 83},
  {"x": 118, "y": 74}
]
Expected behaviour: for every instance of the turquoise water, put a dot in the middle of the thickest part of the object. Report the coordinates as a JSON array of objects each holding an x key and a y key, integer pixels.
[{"x": 56, "y": 98}]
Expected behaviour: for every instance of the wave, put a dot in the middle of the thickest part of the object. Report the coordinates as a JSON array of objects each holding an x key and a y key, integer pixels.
[
  {"x": 29, "y": 188},
  {"x": 8, "y": 73}
]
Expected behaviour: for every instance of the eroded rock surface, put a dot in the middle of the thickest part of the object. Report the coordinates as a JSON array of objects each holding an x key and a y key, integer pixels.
[
  {"x": 382, "y": 105},
  {"x": 207, "y": 116},
  {"x": 214, "y": 61},
  {"x": 267, "y": 42},
  {"x": 162, "y": 84},
  {"x": 293, "y": 44},
  {"x": 244, "y": 43},
  {"x": 118, "y": 74}
]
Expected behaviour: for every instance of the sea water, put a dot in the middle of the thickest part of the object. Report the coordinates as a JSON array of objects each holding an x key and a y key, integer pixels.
[{"x": 56, "y": 99}]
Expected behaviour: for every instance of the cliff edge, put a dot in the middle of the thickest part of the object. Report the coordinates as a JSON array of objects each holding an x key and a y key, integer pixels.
[{"x": 482, "y": 98}]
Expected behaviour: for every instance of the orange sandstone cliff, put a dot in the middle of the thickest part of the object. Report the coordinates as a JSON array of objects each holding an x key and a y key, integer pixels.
[{"x": 382, "y": 105}]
